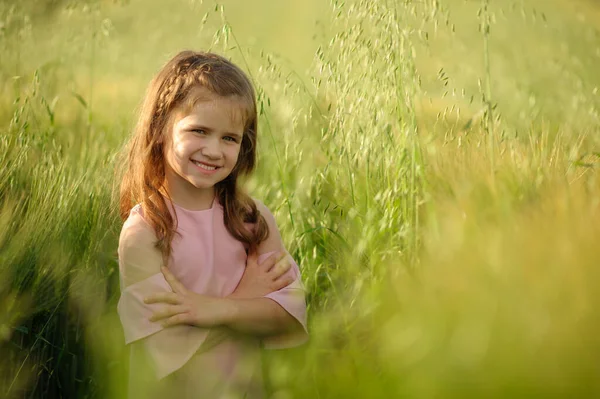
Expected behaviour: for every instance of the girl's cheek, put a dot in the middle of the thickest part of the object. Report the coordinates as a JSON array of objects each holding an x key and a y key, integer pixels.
[
  {"x": 234, "y": 153},
  {"x": 178, "y": 142},
  {"x": 178, "y": 154},
  {"x": 183, "y": 146},
  {"x": 234, "y": 159}
]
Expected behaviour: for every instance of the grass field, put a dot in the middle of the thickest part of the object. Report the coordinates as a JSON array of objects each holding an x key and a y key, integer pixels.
[{"x": 433, "y": 168}]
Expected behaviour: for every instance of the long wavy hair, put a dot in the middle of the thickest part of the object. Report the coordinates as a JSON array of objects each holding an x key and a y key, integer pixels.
[{"x": 143, "y": 180}]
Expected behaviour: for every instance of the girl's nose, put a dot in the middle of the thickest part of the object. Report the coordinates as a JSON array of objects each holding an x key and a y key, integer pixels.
[{"x": 211, "y": 149}]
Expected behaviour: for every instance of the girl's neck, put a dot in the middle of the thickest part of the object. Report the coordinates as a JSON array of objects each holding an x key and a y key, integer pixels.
[{"x": 190, "y": 197}]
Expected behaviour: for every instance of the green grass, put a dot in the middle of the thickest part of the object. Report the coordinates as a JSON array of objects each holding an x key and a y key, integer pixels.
[{"x": 444, "y": 209}]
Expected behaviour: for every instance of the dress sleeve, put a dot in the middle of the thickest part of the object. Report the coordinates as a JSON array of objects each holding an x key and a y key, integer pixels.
[
  {"x": 139, "y": 270},
  {"x": 291, "y": 298}
]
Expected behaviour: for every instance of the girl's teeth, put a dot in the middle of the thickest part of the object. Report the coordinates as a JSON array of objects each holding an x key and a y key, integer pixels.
[{"x": 205, "y": 166}]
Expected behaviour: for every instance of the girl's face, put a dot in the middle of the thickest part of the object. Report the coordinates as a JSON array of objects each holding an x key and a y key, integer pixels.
[{"x": 204, "y": 143}]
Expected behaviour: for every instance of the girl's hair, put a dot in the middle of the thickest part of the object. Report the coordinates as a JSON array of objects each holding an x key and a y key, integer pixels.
[{"x": 144, "y": 178}]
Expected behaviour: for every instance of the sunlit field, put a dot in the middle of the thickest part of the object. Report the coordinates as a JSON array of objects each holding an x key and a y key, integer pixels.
[{"x": 433, "y": 167}]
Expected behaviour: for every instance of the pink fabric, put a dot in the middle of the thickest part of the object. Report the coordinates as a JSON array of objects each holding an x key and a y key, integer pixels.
[
  {"x": 291, "y": 298},
  {"x": 209, "y": 261}
]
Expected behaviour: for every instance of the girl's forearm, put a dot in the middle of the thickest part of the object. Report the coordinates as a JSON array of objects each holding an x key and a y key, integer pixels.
[{"x": 258, "y": 316}]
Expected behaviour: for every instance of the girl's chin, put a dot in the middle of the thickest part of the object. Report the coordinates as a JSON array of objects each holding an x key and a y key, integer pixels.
[
  {"x": 202, "y": 185},
  {"x": 203, "y": 182}
]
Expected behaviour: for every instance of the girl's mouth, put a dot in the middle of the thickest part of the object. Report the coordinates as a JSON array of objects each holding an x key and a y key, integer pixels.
[{"x": 205, "y": 168}]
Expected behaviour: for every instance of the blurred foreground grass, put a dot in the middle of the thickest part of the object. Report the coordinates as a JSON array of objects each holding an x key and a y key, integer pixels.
[{"x": 445, "y": 209}]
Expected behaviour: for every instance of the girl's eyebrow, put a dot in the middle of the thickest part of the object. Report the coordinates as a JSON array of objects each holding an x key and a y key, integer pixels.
[{"x": 208, "y": 129}]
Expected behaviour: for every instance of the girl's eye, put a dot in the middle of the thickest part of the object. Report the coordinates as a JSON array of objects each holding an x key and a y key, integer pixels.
[
  {"x": 229, "y": 138},
  {"x": 199, "y": 131}
]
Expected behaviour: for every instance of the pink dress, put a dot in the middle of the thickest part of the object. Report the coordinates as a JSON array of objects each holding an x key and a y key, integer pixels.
[{"x": 188, "y": 361}]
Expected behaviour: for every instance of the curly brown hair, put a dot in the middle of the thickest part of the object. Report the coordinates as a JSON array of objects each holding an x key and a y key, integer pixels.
[{"x": 143, "y": 180}]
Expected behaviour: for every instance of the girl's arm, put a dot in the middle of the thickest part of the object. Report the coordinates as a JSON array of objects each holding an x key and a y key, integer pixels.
[
  {"x": 280, "y": 315},
  {"x": 279, "y": 312},
  {"x": 259, "y": 316},
  {"x": 270, "y": 315}
]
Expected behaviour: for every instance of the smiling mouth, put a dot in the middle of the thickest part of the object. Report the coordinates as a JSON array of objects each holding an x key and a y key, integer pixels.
[{"x": 205, "y": 166}]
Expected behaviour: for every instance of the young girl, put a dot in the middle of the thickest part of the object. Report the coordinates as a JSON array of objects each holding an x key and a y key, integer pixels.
[{"x": 205, "y": 278}]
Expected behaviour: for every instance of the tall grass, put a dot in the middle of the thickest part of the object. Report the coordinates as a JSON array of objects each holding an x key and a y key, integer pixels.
[{"x": 434, "y": 173}]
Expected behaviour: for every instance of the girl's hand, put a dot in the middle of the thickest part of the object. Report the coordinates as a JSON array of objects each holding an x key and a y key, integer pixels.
[
  {"x": 260, "y": 280},
  {"x": 186, "y": 307}
]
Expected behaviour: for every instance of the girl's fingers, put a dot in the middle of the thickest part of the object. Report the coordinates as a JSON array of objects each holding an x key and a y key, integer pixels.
[
  {"x": 169, "y": 311},
  {"x": 268, "y": 263},
  {"x": 280, "y": 268},
  {"x": 274, "y": 259},
  {"x": 166, "y": 297},
  {"x": 181, "y": 318},
  {"x": 173, "y": 282},
  {"x": 282, "y": 282}
]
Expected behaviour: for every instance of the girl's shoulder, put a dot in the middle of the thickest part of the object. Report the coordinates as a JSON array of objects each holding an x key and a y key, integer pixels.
[
  {"x": 138, "y": 256},
  {"x": 267, "y": 214},
  {"x": 263, "y": 209},
  {"x": 136, "y": 231},
  {"x": 273, "y": 241}
]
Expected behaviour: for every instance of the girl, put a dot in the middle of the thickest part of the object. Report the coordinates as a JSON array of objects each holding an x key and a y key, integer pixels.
[{"x": 205, "y": 278}]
